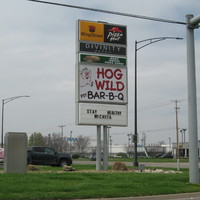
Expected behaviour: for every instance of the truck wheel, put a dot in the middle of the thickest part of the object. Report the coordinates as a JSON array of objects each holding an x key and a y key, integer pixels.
[{"x": 63, "y": 162}]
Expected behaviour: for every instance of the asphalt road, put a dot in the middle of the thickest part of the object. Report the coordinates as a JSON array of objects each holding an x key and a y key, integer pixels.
[
  {"x": 147, "y": 164},
  {"x": 186, "y": 196}
]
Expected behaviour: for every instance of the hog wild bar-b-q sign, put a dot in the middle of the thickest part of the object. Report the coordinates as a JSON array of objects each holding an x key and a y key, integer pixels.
[{"x": 101, "y": 74}]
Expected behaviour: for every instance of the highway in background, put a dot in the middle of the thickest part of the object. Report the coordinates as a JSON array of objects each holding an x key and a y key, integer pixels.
[{"x": 146, "y": 164}]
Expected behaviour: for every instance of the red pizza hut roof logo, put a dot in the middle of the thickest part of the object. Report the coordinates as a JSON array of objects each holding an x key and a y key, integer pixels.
[
  {"x": 92, "y": 28},
  {"x": 115, "y": 29},
  {"x": 115, "y": 34}
]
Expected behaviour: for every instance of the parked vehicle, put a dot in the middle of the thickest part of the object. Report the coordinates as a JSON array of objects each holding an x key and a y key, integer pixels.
[
  {"x": 166, "y": 155},
  {"x": 47, "y": 156},
  {"x": 93, "y": 157},
  {"x": 158, "y": 155}
]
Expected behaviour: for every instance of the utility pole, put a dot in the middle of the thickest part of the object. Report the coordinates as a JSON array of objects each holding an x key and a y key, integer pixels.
[
  {"x": 70, "y": 142},
  {"x": 49, "y": 139},
  {"x": 177, "y": 135},
  {"x": 61, "y": 146}
]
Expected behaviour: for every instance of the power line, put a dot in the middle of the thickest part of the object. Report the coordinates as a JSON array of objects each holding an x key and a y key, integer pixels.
[
  {"x": 157, "y": 105},
  {"x": 112, "y": 12},
  {"x": 144, "y": 131},
  {"x": 158, "y": 130},
  {"x": 154, "y": 106}
]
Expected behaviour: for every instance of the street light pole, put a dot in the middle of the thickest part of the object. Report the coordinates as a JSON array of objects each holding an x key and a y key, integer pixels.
[
  {"x": 135, "y": 121},
  {"x": 4, "y": 101},
  {"x": 144, "y": 43},
  {"x": 2, "y": 119}
]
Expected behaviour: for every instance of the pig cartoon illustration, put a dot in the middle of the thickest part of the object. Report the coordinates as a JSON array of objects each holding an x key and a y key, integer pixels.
[{"x": 85, "y": 77}]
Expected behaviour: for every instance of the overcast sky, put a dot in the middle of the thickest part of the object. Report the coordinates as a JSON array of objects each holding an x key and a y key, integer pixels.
[{"x": 37, "y": 58}]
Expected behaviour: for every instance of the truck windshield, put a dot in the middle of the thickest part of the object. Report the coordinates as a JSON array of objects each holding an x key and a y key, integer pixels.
[{"x": 48, "y": 150}]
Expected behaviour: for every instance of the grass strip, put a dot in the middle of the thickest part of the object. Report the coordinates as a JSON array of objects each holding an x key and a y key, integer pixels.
[{"x": 52, "y": 183}]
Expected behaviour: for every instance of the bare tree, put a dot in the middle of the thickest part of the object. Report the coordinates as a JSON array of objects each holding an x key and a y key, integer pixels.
[
  {"x": 57, "y": 142},
  {"x": 81, "y": 144}
]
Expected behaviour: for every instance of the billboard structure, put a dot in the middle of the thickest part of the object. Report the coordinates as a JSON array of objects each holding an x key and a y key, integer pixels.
[{"x": 101, "y": 74}]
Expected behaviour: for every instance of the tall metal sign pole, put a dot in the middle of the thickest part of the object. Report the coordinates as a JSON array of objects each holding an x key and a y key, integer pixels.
[{"x": 192, "y": 23}]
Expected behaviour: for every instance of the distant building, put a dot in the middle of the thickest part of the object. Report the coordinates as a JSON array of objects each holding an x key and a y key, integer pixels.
[
  {"x": 149, "y": 150},
  {"x": 183, "y": 149}
]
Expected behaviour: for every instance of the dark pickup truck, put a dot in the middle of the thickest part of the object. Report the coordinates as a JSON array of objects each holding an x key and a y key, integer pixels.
[{"x": 47, "y": 156}]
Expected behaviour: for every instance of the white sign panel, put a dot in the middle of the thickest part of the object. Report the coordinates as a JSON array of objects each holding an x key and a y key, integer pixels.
[
  {"x": 101, "y": 83},
  {"x": 102, "y": 114}
]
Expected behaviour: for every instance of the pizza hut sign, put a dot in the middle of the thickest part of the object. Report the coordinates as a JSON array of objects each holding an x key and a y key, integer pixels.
[
  {"x": 103, "y": 84},
  {"x": 115, "y": 34}
]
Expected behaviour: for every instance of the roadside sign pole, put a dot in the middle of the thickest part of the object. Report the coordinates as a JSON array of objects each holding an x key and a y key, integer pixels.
[
  {"x": 98, "y": 150},
  {"x": 105, "y": 148}
]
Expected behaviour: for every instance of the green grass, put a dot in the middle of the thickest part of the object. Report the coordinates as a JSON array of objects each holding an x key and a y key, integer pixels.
[{"x": 52, "y": 183}]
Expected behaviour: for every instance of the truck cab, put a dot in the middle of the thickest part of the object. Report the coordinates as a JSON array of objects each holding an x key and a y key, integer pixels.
[{"x": 47, "y": 156}]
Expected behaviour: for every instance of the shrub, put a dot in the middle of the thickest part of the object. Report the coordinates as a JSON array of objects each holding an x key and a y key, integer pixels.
[
  {"x": 119, "y": 166},
  {"x": 68, "y": 168},
  {"x": 32, "y": 168}
]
